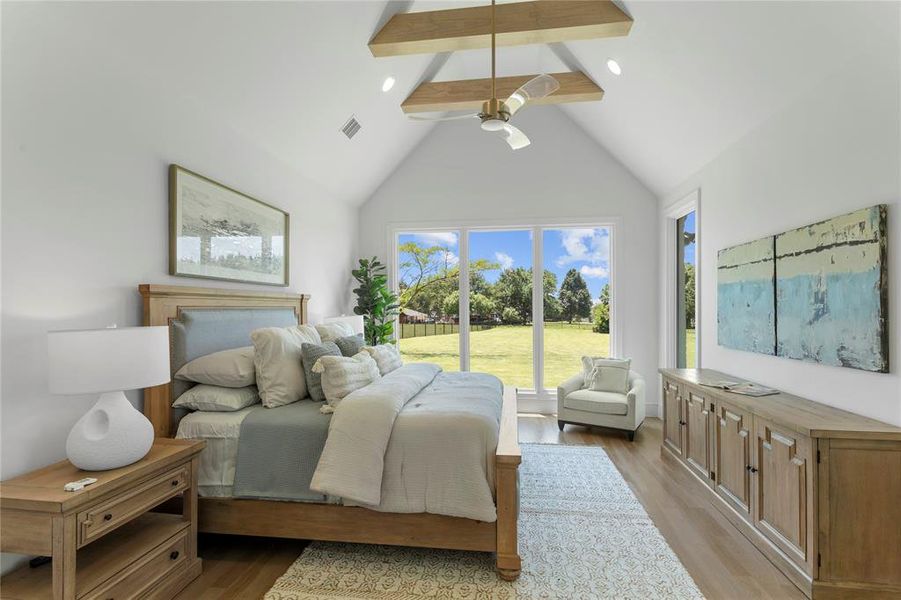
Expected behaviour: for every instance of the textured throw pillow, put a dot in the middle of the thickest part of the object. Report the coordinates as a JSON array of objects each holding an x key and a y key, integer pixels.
[
  {"x": 277, "y": 360},
  {"x": 329, "y": 332},
  {"x": 217, "y": 399},
  {"x": 228, "y": 368},
  {"x": 610, "y": 375},
  {"x": 310, "y": 353},
  {"x": 351, "y": 344},
  {"x": 342, "y": 375},
  {"x": 587, "y": 367},
  {"x": 386, "y": 356}
]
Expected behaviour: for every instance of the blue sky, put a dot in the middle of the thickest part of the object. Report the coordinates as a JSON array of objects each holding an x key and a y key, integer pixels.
[
  {"x": 585, "y": 249},
  {"x": 690, "y": 228}
]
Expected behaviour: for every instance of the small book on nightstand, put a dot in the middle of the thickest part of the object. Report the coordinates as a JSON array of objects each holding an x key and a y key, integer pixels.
[{"x": 104, "y": 539}]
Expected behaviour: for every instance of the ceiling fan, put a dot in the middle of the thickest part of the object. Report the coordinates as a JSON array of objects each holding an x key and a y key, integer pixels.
[{"x": 496, "y": 114}]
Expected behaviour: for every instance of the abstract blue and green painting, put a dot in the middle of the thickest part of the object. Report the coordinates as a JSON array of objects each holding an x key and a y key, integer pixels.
[
  {"x": 746, "y": 309},
  {"x": 832, "y": 291}
]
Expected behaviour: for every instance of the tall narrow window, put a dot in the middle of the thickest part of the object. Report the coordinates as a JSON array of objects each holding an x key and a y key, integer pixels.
[
  {"x": 500, "y": 305},
  {"x": 428, "y": 281},
  {"x": 576, "y": 283},
  {"x": 686, "y": 318}
]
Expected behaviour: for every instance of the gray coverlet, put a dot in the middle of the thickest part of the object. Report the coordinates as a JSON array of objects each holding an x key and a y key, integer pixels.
[{"x": 278, "y": 452}]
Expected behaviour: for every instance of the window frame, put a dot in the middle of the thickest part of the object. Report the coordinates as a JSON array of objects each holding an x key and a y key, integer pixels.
[
  {"x": 540, "y": 398},
  {"x": 688, "y": 204}
]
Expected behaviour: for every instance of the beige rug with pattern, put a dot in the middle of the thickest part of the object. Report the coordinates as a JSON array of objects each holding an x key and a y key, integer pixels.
[{"x": 583, "y": 534}]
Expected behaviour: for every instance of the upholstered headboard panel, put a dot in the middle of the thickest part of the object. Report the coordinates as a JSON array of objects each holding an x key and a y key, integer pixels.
[{"x": 202, "y": 321}]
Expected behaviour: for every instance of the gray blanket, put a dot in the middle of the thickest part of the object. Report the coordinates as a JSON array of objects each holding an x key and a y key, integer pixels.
[{"x": 278, "y": 452}]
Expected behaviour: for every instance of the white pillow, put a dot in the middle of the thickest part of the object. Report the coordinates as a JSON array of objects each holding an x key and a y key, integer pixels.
[
  {"x": 277, "y": 360},
  {"x": 228, "y": 368},
  {"x": 342, "y": 375},
  {"x": 610, "y": 375},
  {"x": 386, "y": 356},
  {"x": 329, "y": 332},
  {"x": 217, "y": 399}
]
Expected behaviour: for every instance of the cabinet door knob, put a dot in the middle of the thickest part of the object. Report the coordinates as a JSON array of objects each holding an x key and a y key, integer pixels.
[
  {"x": 174, "y": 482},
  {"x": 752, "y": 469},
  {"x": 174, "y": 554},
  {"x": 108, "y": 517}
]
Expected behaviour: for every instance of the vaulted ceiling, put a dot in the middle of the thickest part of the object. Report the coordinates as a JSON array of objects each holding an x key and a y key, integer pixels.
[{"x": 697, "y": 76}]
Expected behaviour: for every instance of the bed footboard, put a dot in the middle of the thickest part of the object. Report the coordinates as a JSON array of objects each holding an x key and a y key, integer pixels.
[{"x": 506, "y": 477}]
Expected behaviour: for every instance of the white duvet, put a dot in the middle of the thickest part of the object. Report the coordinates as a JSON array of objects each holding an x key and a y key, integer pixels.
[{"x": 417, "y": 440}]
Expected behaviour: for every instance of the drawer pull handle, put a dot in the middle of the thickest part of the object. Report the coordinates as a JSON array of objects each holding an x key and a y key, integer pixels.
[
  {"x": 108, "y": 517},
  {"x": 173, "y": 555},
  {"x": 174, "y": 482},
  {"x": 743, "y": 433}
]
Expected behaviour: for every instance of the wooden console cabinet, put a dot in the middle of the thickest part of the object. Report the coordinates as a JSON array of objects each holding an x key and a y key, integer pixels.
[{"x": 816, "y": 489}]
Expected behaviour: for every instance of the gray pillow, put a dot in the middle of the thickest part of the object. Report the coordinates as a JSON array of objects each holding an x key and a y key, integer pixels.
[
  {"x": 350, "y": 345},
  {"x": 217, "y": 398},
  {"x": 310, "y": 353}
]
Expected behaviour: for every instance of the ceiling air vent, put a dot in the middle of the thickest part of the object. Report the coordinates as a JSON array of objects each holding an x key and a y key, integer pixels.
[{"x": 351, "y": 128}]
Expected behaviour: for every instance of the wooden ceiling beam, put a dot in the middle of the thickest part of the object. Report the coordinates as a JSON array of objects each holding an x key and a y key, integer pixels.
[
  {"x": 518, "y": 23},
  {"x": 469, "y": 94}
]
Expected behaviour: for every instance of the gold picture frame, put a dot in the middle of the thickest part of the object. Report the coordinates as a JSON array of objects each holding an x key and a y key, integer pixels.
[{"x": 217, "y": 232}]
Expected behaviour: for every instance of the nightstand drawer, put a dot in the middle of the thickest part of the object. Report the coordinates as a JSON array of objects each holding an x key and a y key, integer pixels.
[
  {"x": 102, "y": 518},
  {"x": 146, "y": 572}
]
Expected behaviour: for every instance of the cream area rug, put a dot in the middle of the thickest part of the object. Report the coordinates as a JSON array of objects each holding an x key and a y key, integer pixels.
[{"x": 582, "y": 532}]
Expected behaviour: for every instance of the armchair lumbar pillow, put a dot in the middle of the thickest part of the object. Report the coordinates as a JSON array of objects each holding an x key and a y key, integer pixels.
[{"x": 607, "y": 393}]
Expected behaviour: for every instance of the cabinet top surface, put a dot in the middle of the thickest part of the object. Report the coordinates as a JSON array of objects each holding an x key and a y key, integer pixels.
[
  {"x": 800, "y": 414},
  {"x": 42, "y": 490}
]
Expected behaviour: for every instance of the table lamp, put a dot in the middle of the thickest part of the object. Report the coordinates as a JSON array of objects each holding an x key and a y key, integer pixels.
[{"x": 107, "y": 362}]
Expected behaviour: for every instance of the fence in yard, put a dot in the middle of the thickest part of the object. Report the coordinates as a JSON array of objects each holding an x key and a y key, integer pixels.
[{"x": 411, "y": 330}]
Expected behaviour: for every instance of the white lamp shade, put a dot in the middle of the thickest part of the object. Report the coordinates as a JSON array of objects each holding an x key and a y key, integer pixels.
[
  {"x": 106, "y": 360},
  {"x": 355, "y": 322}
]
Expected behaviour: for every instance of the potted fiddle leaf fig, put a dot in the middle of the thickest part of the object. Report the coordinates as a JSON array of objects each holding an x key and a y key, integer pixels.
[{"x": 375, "y": 301}]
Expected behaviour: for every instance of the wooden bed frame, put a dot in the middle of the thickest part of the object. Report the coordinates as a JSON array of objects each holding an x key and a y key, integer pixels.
[{"x": 163, "y": 303}]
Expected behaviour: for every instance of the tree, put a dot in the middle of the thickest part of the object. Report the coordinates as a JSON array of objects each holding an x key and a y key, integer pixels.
[
  {"x": 510, "y": 316},
  {"x": 481, "y": 307},
  {"x": 513, "y": 290},
  {"x": 551, "y": 303},
  {"x": 689, "y": 296},
  {"x": 575, "y": 299},
  {"x": 600, "y": 312}
]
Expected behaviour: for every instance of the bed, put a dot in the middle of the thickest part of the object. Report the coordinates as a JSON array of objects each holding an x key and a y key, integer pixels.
[{"x": 204, "y": 320}]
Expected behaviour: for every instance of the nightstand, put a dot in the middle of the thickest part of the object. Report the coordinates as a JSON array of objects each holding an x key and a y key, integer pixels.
[{"x": 104, "y": 541}]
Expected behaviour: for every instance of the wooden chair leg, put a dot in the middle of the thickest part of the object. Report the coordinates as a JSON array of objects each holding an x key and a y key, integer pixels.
[{"x": 561, "y": 424}]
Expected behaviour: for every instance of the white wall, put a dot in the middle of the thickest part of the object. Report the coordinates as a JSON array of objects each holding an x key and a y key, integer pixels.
[
  {"x": 462, "y": 175},
  {"x": 85, "y": 212},
  {"x": 834, "y": 149}
]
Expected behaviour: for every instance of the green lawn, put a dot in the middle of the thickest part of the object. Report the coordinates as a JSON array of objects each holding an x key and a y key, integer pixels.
[{"x": 506, "y": 351}]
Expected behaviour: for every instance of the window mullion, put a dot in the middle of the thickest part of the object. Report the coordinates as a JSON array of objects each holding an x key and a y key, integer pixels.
[
  {"x": 463, "y": 309},
  {"x": 537, "y": 311}
]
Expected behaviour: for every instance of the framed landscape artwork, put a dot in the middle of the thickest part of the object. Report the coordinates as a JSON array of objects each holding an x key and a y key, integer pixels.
[
  {"x": 219, "y": 233},
  {"x": 746, "y": 308},
  {"x": 832, "y": 291}
]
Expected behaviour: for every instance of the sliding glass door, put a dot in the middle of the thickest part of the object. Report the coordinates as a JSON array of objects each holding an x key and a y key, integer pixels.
[
  {"x": 534, "y": 300},
  {"x": 428, "y": 282},
  {"x": 500, "y": 305}
]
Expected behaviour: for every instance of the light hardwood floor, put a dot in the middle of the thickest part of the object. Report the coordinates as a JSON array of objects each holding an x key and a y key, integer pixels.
[{"x": 722, "y": 562}]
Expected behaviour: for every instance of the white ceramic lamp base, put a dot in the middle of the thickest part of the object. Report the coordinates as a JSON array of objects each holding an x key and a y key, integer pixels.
[{"x": 110, "y": 435}]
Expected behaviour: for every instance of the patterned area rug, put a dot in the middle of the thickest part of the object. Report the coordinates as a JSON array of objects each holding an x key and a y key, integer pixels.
[{"x": 583, "y": 534}]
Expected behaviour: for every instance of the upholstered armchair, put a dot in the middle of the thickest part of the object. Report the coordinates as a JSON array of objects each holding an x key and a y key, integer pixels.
[{"x": 577, "y": 405}]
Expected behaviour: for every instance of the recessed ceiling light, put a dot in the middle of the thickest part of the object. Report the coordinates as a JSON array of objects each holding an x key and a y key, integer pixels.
[
  {"x": 388, "y": 84},
  {"x": 614, "y": 66}
]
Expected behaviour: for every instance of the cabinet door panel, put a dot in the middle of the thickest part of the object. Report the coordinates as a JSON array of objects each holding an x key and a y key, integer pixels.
[
  {"x": 697, "y": 433},
  {"x": 733, "y": 456},
  {"x": 672, "y": 416},
  {"x": 782, "y": 488}
]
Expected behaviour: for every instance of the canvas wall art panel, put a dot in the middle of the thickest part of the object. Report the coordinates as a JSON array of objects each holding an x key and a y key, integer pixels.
[
  {"x": 832, "y": 291},
  {"x": 746, "y": 310},
  {"x": 219, "y": 233}
]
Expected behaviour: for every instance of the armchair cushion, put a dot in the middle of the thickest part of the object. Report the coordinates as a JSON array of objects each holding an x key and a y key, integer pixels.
[{"x": 607, "y": 403}]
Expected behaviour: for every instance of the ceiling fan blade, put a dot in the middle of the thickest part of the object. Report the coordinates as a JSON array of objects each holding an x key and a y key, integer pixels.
[
  {"x": 533, "y": 89},
  {"x": 451, "y": 118},
  {"x": 516, "y": 138}
]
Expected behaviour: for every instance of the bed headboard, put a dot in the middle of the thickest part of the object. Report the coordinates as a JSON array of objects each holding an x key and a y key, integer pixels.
[{"x": 205, "y": 320}]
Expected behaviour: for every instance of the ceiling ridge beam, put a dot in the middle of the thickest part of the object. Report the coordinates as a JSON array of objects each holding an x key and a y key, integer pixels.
[
  {"x": 469, "y": 94},
  {"x": 518, "y": 23}
]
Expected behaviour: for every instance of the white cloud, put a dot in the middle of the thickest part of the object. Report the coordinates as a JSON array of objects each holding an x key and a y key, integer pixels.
[
  {"x": 505, "y": 260},
  {"x": 598, "y": 272},
  {"x": 452, "y": 259},
  {"x": 437, "y": 238},
  {"x": 585, "y": 245}
]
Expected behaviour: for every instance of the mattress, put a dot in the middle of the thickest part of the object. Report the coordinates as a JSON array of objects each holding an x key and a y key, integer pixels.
[{"x": 221, "y": 431}]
